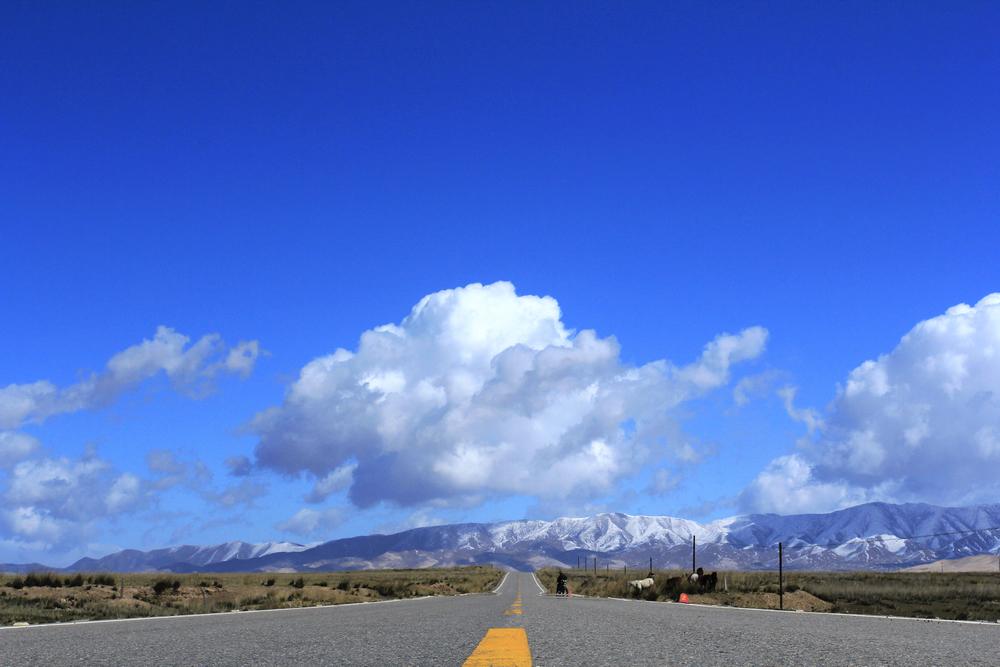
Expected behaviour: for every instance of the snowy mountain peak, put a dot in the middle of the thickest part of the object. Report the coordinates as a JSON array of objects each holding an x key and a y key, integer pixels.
[{"x": 876, "y": 535}]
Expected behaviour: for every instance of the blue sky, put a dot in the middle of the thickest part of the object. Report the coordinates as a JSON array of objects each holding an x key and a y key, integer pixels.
[{"x": 289, "y": 176}]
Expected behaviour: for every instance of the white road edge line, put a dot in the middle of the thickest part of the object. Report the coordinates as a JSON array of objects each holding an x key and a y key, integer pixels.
[
  {"x": 502, "y": 582},
  {"x": 791, "y": 611},
  {"x": 222, "y": 613},
  {"x": 541, "y": 591}
]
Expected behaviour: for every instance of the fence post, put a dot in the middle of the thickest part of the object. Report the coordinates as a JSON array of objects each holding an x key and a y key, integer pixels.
[{"x": 781, "y": 577}]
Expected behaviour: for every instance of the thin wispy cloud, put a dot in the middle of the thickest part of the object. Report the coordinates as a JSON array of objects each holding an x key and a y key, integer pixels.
[{"x": 190, "y": 367}]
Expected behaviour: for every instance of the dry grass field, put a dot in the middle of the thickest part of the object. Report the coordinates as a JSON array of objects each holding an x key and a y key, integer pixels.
[
  {"x": 47, "y": 598},
  {"x": 958, "y": 595}
]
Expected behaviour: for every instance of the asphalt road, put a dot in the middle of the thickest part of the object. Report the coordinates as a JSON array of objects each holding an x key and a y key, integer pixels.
[{"x": 559, "y": 631}]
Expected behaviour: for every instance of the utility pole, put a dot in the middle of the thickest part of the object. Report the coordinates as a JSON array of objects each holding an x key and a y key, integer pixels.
[
  {"x": 781, "y": 577},
  {"x": 694, "y": 563},
  {"x": 650, "y": 564}
]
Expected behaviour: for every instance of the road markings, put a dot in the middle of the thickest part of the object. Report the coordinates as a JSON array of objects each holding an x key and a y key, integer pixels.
[
  {"x": 541, "y": 589},
  {"x": 501, "y": 647},
  {"x": 515, "y": 608},
  {"x": 502, "y": 582}
]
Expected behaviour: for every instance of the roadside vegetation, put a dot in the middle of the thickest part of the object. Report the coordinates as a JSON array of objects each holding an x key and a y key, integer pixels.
[
  {"x": 47, "y": 597},
  {"x": 958, "y": 596}
]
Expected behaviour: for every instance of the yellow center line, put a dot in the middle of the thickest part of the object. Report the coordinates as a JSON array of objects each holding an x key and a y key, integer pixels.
[
  {"x": 515, "y": 607},
  {"x": 501, "y": 647}
]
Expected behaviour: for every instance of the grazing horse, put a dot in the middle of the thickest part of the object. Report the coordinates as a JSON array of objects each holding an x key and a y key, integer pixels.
[{"x": 641, "y": 584}]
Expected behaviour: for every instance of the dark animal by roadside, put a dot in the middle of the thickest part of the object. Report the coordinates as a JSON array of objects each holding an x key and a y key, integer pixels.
[
  {"x": 673, "y": 586},
  {"x": 706, "y": 582}
]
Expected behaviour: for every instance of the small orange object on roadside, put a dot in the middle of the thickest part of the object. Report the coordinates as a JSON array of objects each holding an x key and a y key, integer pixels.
[{"x": 683, "y": 598}]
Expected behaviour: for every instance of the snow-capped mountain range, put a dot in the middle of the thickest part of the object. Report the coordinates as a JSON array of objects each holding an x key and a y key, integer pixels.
[
  {"x": 132, "y": 560},
  {"x": 870, "y": 536}
]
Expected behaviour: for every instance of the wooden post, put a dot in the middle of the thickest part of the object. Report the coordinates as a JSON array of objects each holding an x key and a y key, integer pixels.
[
  {"x": 694, "y": 563},
  {"x": 650, "y": 564},
  {"x": 781, "y": 577}
]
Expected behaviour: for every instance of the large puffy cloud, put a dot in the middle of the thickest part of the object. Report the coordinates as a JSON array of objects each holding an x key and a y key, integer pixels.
[
  {"x": 480, "y": 391},
  {"x": 919, "y": 423},
  {"x": 789, "y": 485},
  {"x": 190, "y": 368}
]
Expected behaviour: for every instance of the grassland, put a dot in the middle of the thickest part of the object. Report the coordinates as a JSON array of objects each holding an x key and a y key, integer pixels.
[
  {"x": 961, "y": 596},
  {"x": 47, "y": 598}
]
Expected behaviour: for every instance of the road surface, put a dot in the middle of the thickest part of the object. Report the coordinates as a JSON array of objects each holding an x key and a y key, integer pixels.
[{"x": 515, "y": 627}]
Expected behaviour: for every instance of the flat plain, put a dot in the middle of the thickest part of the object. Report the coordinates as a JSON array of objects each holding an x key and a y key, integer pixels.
[
  {"x": 48, "y": 598},
  {"x": 949, "y": 595}
]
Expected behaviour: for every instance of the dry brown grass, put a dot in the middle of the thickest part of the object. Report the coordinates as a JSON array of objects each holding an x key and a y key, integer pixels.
[
  {"x": 134, "y": 595},
  {"x": 961, "y": 596}
]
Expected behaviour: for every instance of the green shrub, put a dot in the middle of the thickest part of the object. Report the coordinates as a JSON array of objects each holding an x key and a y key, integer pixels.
[
  {"x": 269, "y": 582},
  {"x": 161, "y": 586},
  {"x": 298, "y": 583},
  {"x": 43, "y": 579}
]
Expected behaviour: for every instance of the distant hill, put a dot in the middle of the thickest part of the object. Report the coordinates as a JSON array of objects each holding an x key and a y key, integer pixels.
[
  {"x": 984, "y": 563},
  {"x": 22, "y": 568},
  {"x": 870, "y": 536},
  {"x": 132, "y": 560}
]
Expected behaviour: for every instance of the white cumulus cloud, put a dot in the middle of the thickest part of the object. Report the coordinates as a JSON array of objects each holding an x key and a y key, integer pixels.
[
  {"x": 15, "y": 447},
  {"x": 480, "y": 391},
  {"x": 918, "y": 423},
  {"x": 190, "y": 368},
  {"x": 54, "y": 500}
]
